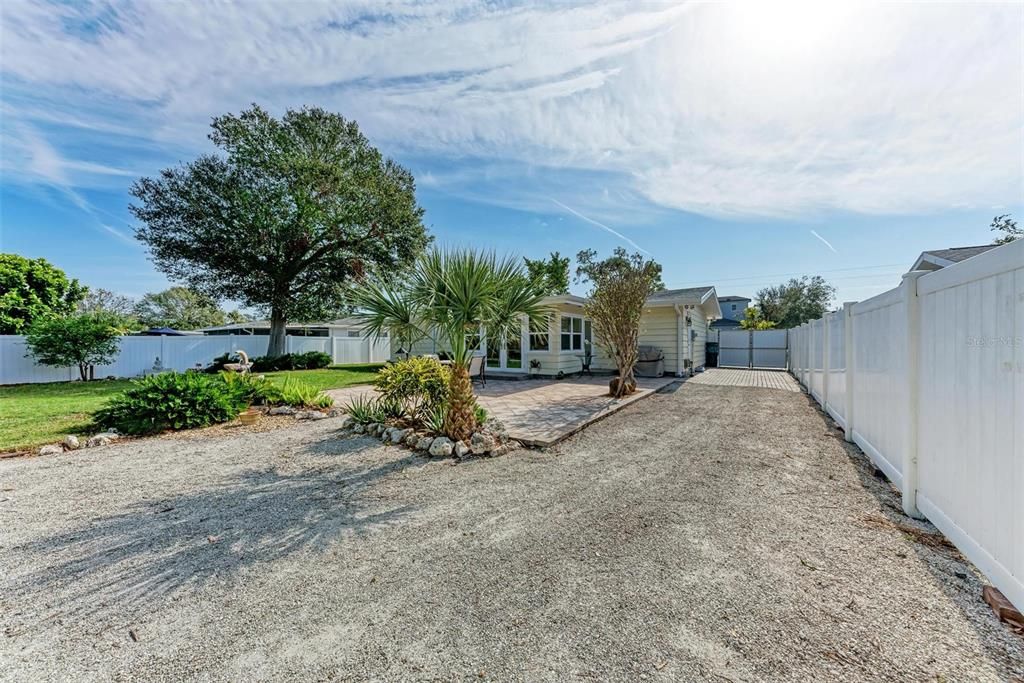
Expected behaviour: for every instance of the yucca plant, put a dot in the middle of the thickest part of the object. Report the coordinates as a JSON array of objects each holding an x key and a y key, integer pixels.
[{"x": 449, "y": 296}]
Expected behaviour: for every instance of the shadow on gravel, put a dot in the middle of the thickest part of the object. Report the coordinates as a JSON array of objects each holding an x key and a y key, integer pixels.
[
  {"x": 954, "y": 575},
  {"x": 182, "y": 541}
]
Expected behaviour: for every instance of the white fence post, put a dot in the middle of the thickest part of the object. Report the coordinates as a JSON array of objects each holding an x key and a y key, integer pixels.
[
  {"x": 850, "y": 356},
  {"x": 912, "y": 310}
]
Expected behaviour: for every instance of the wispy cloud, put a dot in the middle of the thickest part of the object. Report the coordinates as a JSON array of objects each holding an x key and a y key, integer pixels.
[
  {"x": 713, "y": 108},
  {"x": 824, "y": 241},
  {"x": 602, "y": 226}
]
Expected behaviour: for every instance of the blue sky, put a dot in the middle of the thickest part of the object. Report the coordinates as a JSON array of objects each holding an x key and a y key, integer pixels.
[{"x": 738, "y": 144}]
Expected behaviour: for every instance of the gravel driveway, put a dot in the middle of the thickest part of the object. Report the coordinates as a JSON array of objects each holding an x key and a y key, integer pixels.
[{"x": 714, "y": 533}]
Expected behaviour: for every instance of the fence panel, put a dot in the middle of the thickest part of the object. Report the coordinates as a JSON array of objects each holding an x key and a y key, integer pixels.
[
  {"x": 971, "y": 407},
  {"x": 934, "y": 396},
  {"x": 139, "y": 354},
  {"x": 769, "y": 348},
  {"x": 836, "y": 371},
  {"x": 734, "y": 349}
]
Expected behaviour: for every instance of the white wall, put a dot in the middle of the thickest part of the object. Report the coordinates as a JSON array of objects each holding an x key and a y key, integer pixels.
[
  {"x": 138, "y": 354},
  {"x": 928, "y": 379}
]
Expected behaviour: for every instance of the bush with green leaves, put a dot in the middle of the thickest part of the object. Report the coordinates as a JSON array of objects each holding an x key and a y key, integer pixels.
[
  {"x": 255, "y": 389},
  {"x": 365, "y": 409},
  {"x": 417, "y": 385},
  {"x": 171, "y": 400},
  {"x": 84, "y": 340},
  {"x": 296, "y": 393},
  {"x": 309, "y": 360}
]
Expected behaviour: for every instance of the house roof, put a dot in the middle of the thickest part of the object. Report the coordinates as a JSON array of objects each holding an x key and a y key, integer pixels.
[
  {"x": 690, "y": 294},
  {"x": 724, "y": 322},
  {"x": 261, "y": 324},
  {"x": 734, "y": 298},
  {"x": 940, "y": 258}
]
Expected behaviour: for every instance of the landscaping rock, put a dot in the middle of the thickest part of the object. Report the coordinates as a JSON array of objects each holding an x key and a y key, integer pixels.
[
  {"x": 283, "y": 410},
  {"x": 398, "y": 435},
  {"x": 347, "y": 422},
  {"x": 71, "y": 442},
  {"x": 51, "y": 449},
  {"x": 310, "y": 415},
  {"x": 359, "y": 429},
  {"x": 461, "y": 449},
  {"x": 102, "y": 439},
  {"x": 482, "y": 442},
  {"x": 441, "y": 447},
  {"x": 424, "y": 443},
  {"x": 412, "y": 438},
  {"x": 386, "y": 434},
  {"x": 505, "y": 448},
  {"x": 335, "y": 412}
]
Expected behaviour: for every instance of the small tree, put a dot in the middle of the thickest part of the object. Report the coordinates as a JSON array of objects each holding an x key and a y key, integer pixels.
[
  {"x": 1007, "y": 226},
  {"x": 84, "y": 339},
  {"x": 33, "y": 289},
  {"x": 795, "y": 302},
  {"x": 620, "y": 286},
  {"x": 549, "y": 276},
  {"x": 753, "y": 320},
  {"x": 180, "y": 308}
]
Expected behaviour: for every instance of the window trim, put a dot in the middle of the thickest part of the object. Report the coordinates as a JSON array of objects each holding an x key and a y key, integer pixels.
[
  {"x": 582, "y": 333},
  {"x": 530, "y": 334}
]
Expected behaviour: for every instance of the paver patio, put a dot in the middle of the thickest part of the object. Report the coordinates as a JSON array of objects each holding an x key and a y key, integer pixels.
[
  {"x": 540, "y": 412},
  {"x": 764, "y": 379}
]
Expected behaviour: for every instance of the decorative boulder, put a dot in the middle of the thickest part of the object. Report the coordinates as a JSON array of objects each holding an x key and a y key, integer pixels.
[
  {"x": 441, "y": 447},
  {"x": 461, "y": 449},
  {"x": 505, "y": 448},
  {"x": 310, "y": 415},
  {"x": 347, "y": 422},
  {"x": 398, "y": 435},
  {"x": 412, "y": 438},
  {"x": 482, "y": 442},
  {"x": 424, "y": 443},
  {"x": 71, "y": 442},
  {"x": 283, "y": 410},
  {"x": 359, "y": 429},
  {"x": 51, "y": 449},
  {"x": 102, "y": 439}
]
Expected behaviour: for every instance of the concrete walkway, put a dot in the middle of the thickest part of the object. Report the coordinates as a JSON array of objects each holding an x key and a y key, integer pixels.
[{"x": 541, "y": 412}]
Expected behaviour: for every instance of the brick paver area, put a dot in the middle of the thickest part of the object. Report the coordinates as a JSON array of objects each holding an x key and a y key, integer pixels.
[
  {"x": 765, "y": 379},
  {"x": 543, "y": 412}
]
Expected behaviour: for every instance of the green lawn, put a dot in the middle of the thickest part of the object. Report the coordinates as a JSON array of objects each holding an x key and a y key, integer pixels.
[{"x": 35, "y": 414}]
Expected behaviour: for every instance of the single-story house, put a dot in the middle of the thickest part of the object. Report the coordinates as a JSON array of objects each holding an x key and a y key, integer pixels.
[
  {"x": 941, "y": 258},
  {"x": 674, "y": 320},
  {"x": 343, "y": 327},
  {"x": 734, "y": 310}
]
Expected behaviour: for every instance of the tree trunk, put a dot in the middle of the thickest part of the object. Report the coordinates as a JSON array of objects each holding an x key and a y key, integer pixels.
[
  {"x": 276, "y": 345},
  {"x": 460, "y": 423},
  {"x": 83, "y": 372}
]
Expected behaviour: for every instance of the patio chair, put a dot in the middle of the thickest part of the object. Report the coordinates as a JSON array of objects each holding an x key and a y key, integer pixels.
[{"x": 476, "y": 370}]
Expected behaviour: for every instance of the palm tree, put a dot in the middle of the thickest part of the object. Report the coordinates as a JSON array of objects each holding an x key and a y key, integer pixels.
[{"x": 451, "y": 297}]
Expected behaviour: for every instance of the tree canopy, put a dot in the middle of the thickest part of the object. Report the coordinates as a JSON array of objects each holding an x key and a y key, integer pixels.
[
  {"x": 795, "y": 302},
  {"x": 754, "y": 320},
  {"x": 84, "y": 340},
  {"x": 1008, "y": 227},
  {"x": 180, "y": 308},
  {"x": 549, "y": 276},
  {"x": 292, "y": 212},
  {"x": 33, "y": 289}
]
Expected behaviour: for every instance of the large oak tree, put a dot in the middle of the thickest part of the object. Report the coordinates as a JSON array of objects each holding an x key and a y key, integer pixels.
[{"x": 291, "y": 213}]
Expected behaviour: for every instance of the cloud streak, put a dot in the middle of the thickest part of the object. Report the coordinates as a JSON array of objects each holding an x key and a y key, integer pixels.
[
  {"x": 824, "y": 241},
  {"x": 601, "y": 225}
]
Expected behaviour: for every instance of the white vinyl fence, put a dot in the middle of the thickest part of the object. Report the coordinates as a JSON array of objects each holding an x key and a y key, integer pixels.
[
  {"x": 928, "y": 379},
  {"x": 139, "y": 354}
]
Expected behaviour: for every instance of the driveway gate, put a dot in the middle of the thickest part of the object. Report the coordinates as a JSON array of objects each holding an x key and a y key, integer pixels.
[{"x": 753, "y": 349}]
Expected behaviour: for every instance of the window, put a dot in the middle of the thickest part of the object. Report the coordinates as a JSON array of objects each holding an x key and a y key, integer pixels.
[
  {"x": 539, "y": 337},
  {"x": 573, "y": 331},
  {"x": 354, "y": 333},
  {"x": 734, "y": 307}
]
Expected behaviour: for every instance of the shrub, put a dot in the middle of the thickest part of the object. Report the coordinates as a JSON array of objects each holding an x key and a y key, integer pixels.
[
  {"x": 171, "y": 400},
  {"x": 366, "y": 409},
  {"x": 254, "y": 389},
  {"x": 309, "y": 360},
  {"x": 416, "y": 385},
  {"x": 297, "y": 393},
  {"x": 434, "y": 418},
  {"x": 480, "y": 413}
]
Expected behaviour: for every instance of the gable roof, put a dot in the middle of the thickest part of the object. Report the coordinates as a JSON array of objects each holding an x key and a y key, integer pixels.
[
  {"x": 734, "y": 298},
  {"x": 940, "y": 258},
  {"x": 689, "y": 294}
]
